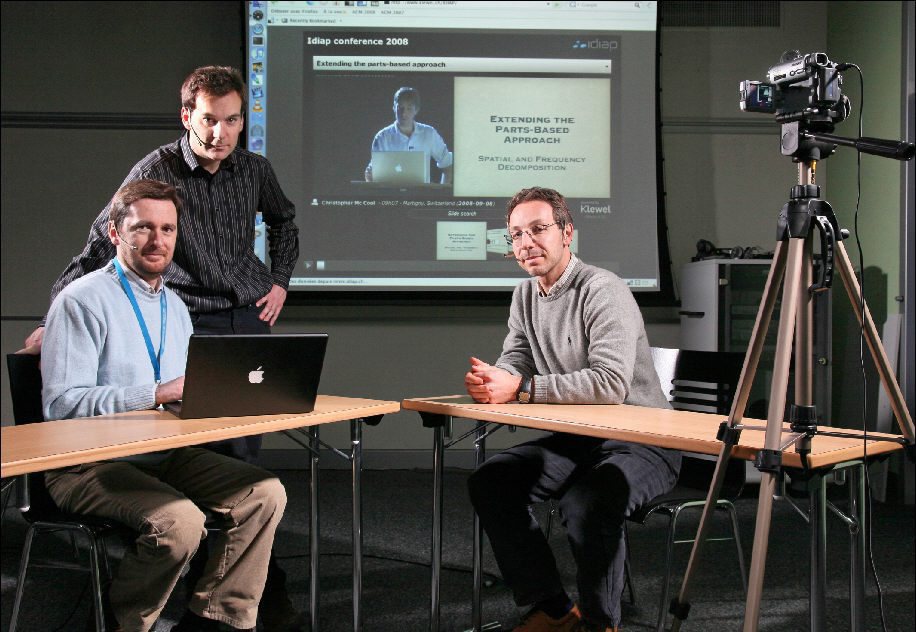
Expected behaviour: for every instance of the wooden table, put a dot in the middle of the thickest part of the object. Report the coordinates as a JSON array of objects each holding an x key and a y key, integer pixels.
[
  {"x": 37, "y": 447},
  {"x": 666, "y": 428}
]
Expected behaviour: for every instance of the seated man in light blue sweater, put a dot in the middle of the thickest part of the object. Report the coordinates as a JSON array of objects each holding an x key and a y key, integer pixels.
[
  {"x": 117, "y": 340},
  {"x": 576, "y": 336}
]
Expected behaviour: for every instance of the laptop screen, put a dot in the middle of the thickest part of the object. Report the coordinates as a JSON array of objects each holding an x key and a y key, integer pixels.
[
  {"x": 400, "y": 167},
  {"x": 241, "y": 375}
]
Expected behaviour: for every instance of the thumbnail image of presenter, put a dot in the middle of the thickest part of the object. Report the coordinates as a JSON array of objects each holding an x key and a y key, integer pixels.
[{"x": 407, "y": 134}]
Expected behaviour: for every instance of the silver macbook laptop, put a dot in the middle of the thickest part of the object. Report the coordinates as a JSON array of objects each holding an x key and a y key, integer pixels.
[
  {"x": 400, "y": 167},
  {"x": 239, "y": 375}
]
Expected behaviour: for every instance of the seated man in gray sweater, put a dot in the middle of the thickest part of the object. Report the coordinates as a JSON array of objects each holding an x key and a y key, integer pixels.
[
  {"x": 576, "y": 336},
  {"x": 117, "y": 340}
]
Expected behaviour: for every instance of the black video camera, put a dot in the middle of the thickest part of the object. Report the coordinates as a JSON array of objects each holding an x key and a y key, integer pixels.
[{"x": 804, "y": 88}]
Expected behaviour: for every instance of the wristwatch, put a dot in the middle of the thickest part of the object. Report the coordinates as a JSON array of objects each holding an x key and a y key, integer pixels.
[{"x": 524, "y": 391}]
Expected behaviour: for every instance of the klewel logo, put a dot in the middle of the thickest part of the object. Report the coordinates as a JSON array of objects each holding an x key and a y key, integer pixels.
[
  {"x": 589, "y": 208},
  {"x": 256, "y": 376}
]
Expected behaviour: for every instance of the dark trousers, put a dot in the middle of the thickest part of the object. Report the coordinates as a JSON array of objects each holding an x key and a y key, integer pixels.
[
  {"x": 596, "y": 483},
  {"x": 241, "y": 320}
]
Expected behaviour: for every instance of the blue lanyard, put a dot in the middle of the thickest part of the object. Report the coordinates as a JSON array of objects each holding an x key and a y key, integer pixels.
[{"x": 154, "y": 357}]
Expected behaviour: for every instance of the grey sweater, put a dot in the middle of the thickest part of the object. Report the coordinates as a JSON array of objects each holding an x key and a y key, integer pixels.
[
  {"x": 93, "y": 357},
  {"x": 585, "y": 342}
]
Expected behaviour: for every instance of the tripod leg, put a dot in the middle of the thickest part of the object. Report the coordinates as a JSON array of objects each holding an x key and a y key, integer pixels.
[
  {"x": 680, "y": 606},
  {"x": 775, "y": 416},
  {"x": 804, "y": 320},
  {"x": 882, "y": 364},
  {"x": 755, "y": 347},
  {"x": 759, "y": 333},
  {"x": 804, "y": 396}
]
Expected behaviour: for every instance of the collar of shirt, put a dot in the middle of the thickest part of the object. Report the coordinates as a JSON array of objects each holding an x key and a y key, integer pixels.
[
  {"x": 135, "y": 279},
  {"x": 401, "y": 134},
  {"x": 190, "y": 157},
  {"x": 557, "y": 287}
]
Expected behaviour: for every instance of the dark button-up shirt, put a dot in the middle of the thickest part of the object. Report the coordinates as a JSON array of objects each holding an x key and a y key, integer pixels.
[{"x": 215, "y": 266}]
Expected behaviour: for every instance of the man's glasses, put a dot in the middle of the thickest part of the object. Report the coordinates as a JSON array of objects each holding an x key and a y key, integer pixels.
[{"x": 533, "y": 232}]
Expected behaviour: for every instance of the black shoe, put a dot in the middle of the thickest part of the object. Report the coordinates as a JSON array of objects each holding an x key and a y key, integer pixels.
[
  {"x": 191, "y": 622},
  {"x": 277, "y": 614},
  {"x": 276, "y": 611},
  {"x": 589, "y": 626}
]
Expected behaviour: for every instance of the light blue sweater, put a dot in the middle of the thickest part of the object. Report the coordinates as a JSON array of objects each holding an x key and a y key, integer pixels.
[{"x": 93, "y": 357}]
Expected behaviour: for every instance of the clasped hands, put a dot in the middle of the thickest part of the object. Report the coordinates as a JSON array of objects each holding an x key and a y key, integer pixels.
[{"x": 488, "y": 384}]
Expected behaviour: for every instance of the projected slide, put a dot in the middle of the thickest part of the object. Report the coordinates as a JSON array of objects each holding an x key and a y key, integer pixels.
[
  {"x": 506, "y": 141},
  {"x": 400, "y": 132}
]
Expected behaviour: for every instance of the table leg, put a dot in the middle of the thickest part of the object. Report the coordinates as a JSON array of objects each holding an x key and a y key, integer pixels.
[
  {"x": 23, "y": 497},
  {"x": 356, "y": 466},
  {"x": 817, "y": 516},
  {"x": 436, "y": 553},
  {"x": 480, "y": 450},
  {"x": 857, "y": 547},
  {"x": 314, "y": 534}
]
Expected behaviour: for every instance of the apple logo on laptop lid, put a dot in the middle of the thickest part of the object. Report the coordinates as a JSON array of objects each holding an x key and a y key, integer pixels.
[{"x": 256, "y": 376}]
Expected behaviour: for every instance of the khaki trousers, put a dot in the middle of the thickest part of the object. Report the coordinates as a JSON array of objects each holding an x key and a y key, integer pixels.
[{"x": 162, "y": 503}]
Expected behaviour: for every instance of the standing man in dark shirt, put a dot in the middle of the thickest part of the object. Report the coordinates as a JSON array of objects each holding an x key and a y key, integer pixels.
[{"x": 215, "y": 270}]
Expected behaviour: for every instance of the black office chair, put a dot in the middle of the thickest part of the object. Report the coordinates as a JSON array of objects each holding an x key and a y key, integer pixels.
[
  {"x": 42, "y": 514},
  {"x": 703, "y": 381}
]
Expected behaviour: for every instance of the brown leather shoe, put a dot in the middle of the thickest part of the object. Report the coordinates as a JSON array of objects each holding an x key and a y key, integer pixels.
[{"x": 538, "y": 621}]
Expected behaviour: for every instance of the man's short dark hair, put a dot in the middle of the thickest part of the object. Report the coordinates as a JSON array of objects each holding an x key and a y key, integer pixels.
[
  {"x": 216, "y": 81},
  {"x": 561, "y": 214},
  {"x": 140, "y": 190},
  {"x": 407, "y": 94}
]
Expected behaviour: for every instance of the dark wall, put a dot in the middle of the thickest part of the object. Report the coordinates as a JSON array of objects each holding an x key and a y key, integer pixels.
[{"x": 88, "y": 88}]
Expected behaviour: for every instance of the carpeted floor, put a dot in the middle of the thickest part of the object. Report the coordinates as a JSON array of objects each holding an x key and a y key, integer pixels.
[{"x": 396, "y": 578}]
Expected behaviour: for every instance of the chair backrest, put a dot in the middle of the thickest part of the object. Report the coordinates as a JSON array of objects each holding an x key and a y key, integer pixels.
[
  {"x": 25, "y": 391},
  {"x": 702, "y": 381},
  {"x": 665, "y": 361},
  {"x": 706, "y": 381},
  {"x": 25, "y": 387}
]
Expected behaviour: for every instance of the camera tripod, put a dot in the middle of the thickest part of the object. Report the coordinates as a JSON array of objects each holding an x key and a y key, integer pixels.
[{"x": 792, "y": 264}]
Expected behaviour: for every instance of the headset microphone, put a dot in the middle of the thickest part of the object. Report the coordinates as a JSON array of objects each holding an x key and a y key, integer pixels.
[
  {"x": 124, "y": 241},
  {"x": 193, "y": 131}
]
